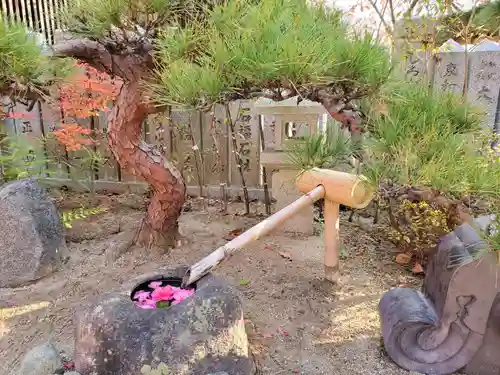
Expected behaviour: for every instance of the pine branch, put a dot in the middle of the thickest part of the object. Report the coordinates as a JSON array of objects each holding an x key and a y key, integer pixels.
[
  {"x": 393, "y": 16},
  {"x": 412, "y": 6},
  {"x": 88, "y": 51},
  {"x": 127, "y": 66},
  {"x": 246, "y": 49},
  {"x": 381, "y": 16}
]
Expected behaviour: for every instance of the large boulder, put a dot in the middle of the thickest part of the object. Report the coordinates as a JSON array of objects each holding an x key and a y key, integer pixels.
[
  {"x": 203, "y": 334},
  {"x": 31, "y": 234}
]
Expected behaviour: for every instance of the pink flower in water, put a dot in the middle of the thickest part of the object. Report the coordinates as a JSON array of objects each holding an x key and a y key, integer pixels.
[
  {"x": 146, "y": 304},
  {"x": 155, "y": 284},
  {"x": 171, "y": 295},
  {"x": 70, "y": 366},
  {"x": 141, "y": 295},
  {"x": 164, "y": 293},
  {"x": 181, "y": 294}
]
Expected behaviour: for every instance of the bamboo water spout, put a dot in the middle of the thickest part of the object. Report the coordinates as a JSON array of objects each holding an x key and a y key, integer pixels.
[
  {"x": 336, "y": 187},
  {"x": 204, "y": 266},
  {"x": 340, "y": 188}
]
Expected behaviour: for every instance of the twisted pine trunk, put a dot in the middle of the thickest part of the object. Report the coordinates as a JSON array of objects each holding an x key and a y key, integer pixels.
[
  {"x": 160, "y": 226},
  {"x": 131, "y": 108}
]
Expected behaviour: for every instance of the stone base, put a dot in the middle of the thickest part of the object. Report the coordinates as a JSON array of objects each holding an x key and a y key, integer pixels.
[
  {"x": 285, "y": 192},
  {"x": 454, "y": 323},
  {"x": 203, "y": 334}
]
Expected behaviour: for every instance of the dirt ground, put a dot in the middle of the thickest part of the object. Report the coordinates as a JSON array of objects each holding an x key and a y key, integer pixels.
[{"x": 296, "y": 323}]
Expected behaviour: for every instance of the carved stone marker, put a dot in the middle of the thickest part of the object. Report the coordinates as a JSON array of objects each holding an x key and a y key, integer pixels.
[
  {"x": 287, "y": 123},
  {"x": 285, "y": 192},
  {"x": 484, "y": 62},
  {"x": 450, "y": 68},
  {"x": 416, "y": 66},
  {"x": 454, "y": 322}
]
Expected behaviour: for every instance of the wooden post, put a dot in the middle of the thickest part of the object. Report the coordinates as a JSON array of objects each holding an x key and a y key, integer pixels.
[
  {"x": 224, "y": 198},
  {"x": 332, "y": 240},
  {"x": 267, "y": 197}
]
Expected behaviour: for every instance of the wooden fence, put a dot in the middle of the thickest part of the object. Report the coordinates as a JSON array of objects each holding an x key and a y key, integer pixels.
[
  {"x": 40, "y": 16},
  {"x": 182, "y": 136},
  {"x": 185, "y": 136},
  {"x": 198, "y": 142}
]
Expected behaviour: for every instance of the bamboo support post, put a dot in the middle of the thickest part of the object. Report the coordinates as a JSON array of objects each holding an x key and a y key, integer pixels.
[
  {"x": 332, "y": 241},
  {"x": 267, "y": 197},
  {"x": 204, "y": 266}
]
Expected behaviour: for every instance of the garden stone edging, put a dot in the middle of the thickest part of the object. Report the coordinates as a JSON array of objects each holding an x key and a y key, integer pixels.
[{"x": 203, "y": 334}]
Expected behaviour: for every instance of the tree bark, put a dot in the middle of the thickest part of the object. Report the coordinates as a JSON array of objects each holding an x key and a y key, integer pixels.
[
  {"x": 131, "y": 108},
  {"x": 160, "y": 226}
]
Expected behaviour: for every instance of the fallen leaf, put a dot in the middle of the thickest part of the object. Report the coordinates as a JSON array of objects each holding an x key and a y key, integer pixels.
[
  {"x": 417, "y": 268},
  {"x": 283, "y": 332},
  {"x": 233, "y": 234},
  {"x": 343, "y": 253},
  {"x": 403, "y": 259},
  {"x": 267, "y": 335},
  {"x": 163, "y": 304},
  {"x": 69, "y": 365},
  {"x": 244, "y": 282},
  {"x": 295, "y": 371},
  {"x": 285, "y": 255}
]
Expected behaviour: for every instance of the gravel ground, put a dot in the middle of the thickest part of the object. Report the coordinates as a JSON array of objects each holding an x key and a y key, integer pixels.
[{"x": 297, "y": 324}]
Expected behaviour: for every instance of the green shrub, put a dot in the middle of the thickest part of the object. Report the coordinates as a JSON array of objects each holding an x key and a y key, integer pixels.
[{"x": 20, "y": 159}]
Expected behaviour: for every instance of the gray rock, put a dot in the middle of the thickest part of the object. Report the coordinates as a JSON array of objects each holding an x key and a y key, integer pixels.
[
  {"x": 203, "y": 334},
  {"x": 134, "y": 201},
  {"x": 32, "y": 241},
  {"x": 484, "y": 221},
  {"x": 366, "y": 223},
  {"x": 118, "y": 245},
  {"x": 41, "y": 360}
]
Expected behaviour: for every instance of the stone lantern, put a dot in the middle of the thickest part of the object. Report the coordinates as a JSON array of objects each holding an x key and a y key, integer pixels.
[{"x": 292, "y": 123}]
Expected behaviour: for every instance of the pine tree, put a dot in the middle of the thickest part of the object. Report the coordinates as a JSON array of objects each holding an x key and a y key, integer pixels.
[
  {"x": 196, "y": 54},
  {"x": 199, "y": 53}
]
